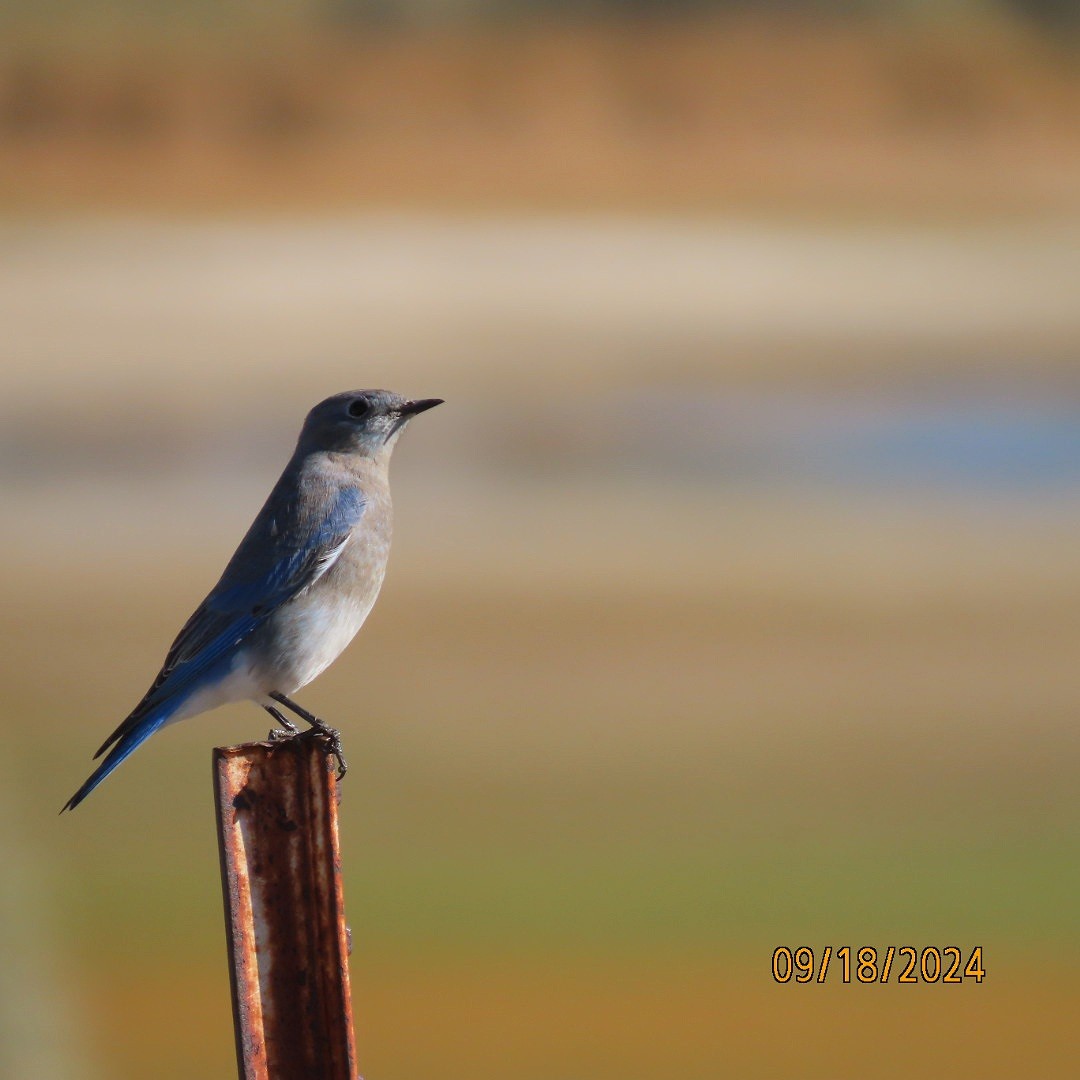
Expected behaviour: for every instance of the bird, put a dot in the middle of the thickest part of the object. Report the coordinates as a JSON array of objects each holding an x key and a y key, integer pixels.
[{"x": 298, "y": 588}]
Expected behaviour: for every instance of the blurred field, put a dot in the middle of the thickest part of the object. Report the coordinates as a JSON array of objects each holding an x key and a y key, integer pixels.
[
  {"x": 860, "y": 117},
  {"x": 578, "y": 823},
  {"x": 735, "y": 598},
  {"x": 656, "y": 683}
]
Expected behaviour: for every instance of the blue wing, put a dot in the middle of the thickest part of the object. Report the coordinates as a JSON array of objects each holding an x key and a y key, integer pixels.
[
  {"x": 295, "y": 539},
  {"x": 287, "y": 549}
]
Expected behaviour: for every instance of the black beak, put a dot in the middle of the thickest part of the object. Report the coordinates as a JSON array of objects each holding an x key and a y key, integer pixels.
[{"x": 411, "y": 408}]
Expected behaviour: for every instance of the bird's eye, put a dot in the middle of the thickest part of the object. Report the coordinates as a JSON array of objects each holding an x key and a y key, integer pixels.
[{"x": 359, "y": 407}]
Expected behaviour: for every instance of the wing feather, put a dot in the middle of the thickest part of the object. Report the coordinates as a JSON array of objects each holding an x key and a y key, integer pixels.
[{"x": 292, "y": 543}]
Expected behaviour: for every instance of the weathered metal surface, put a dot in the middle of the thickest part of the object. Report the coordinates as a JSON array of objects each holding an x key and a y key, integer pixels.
[{"x": 284, "y": 911}]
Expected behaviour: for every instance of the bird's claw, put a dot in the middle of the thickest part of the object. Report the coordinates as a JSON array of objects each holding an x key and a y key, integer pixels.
[
  {"x": 331, "y": 737},
  {"x": 288, "y": 729}
]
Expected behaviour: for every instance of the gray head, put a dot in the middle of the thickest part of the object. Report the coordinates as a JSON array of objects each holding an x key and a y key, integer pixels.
[{"x": 364, "y": 422}]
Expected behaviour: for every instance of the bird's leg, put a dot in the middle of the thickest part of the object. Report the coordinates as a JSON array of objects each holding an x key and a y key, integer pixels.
[
  {"x": 287, "y": 730},
  {"x": 321, "y": 727}
]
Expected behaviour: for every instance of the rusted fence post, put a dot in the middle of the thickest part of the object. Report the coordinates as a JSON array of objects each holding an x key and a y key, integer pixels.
[{"x": 284, "y": 911}]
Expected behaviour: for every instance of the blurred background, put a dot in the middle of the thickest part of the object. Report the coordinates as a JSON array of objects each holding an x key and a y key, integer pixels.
[{"x": 734, "y": 601}]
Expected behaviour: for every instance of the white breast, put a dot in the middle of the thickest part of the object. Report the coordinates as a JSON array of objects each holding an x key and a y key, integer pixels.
[
  {"x": 308, "y": 634},
  {"x": 318, "y": 626},
  {"x": 299, "y": 641}
]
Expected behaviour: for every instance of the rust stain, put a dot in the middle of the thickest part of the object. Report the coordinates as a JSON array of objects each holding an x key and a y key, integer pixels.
[{"x": 284, "y": 911}]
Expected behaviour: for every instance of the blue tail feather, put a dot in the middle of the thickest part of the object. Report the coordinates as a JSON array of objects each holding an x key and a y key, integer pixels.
[{"x": 127, "y": 744}]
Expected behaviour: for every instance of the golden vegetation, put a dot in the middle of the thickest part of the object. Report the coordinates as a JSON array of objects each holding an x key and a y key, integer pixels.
[{"x": 686, "y": 115}]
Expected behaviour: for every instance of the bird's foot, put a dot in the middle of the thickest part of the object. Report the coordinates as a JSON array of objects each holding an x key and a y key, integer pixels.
[
  {"x": 331, "y": 737},
  {"x": 288, "y": 729}
]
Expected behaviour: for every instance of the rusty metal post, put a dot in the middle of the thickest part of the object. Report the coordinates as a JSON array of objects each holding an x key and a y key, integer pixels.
[{"x": 284, "y": 911}]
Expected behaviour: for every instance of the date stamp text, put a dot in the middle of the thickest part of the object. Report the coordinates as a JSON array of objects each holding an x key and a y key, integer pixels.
[{"x": 903, "y": 964}]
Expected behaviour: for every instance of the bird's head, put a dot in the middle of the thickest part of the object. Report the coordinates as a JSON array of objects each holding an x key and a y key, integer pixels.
[{"x": 363, "y": 422}]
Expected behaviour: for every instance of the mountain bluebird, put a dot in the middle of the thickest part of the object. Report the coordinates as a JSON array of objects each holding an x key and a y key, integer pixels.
[{"x": 298, "y": 587}]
